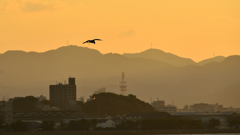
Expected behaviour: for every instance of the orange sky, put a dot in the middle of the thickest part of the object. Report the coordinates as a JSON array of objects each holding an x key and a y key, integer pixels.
[{"x": 195, "y": 29}]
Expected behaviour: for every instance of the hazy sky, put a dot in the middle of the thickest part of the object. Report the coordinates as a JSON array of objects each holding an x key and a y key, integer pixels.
[{"x": 195, "y": 29}]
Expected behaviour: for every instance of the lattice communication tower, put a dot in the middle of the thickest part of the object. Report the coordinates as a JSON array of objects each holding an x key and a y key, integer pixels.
[{"x": 123, "y": 86}]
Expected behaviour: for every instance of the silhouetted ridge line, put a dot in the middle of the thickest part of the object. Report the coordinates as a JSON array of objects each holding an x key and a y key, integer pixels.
[
  {"x": 31, "y": 74},
  {"x": 162, "y": 56},
  {"x": 210, "y": 60}
]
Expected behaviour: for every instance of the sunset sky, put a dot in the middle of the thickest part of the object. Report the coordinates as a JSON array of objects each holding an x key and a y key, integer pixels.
[{"x": 196, "y": 29}]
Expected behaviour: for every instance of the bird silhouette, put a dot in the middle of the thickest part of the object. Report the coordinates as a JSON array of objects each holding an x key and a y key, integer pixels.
[{"x": 91, "y": 41}]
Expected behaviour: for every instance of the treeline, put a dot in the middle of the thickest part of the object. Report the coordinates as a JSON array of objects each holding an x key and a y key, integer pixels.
[
  {"x": 25, "y": 126},
  {"x": 126, "y": 124},
  {"x": 171, "y": 123},
  {"x": 28, "y": 104},
  {"x": 114, "y": 104},
  {"x": 102, "y": 104},
  {"x": 234, "y": 120}
]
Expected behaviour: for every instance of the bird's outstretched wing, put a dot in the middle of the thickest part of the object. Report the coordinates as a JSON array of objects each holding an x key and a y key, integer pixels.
[
  {"x": 85, "y": 42},
  {"x": 98, "y": 39}
]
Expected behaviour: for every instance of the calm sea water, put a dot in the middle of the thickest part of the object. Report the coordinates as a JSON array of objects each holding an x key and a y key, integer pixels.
[
  {"x": 200, "y": 134},
  {"x": 203, "y": 134}
]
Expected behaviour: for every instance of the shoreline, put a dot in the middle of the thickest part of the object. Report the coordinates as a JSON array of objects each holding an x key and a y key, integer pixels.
[{"x": 123, "y": 132}]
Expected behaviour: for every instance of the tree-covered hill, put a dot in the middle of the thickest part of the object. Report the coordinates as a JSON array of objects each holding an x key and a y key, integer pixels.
[{"x": 111, "y": 104}]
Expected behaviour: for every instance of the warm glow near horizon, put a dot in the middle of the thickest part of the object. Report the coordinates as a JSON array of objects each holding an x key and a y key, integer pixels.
[{"x": 193, "y": 29}]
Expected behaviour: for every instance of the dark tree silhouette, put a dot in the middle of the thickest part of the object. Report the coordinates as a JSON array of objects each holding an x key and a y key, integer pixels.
[
  {"x": 25, "y": 104},
  {"x": 18, "y": 126},
  {"x": 45, "y": 102},
  {"x": 233, "y": 120},
  {"x": 213, "y": 123},
  {"x": 82, "y": 124},
  {"x": 47, "y": 125},
  {"x": 113, "y": 105},
  {"x": 1, "y": 123}
]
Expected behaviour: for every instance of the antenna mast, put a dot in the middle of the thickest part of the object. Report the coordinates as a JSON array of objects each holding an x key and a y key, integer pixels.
[{"x": 123, "y": 86}]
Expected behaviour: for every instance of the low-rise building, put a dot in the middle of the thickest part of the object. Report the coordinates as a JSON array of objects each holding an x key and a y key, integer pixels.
[
  {"x": 206, "y": 116},
  {"x": 108, "y": 124},
  {"x": 160, "y": 106},
  {"x": 204, "y": 107},
  {"x": 169, "y": 109}
]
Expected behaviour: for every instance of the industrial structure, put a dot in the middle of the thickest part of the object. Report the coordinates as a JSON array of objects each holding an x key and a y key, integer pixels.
[
  {"x": 63, "y": 96},
  {"x": 123, "y": 86}
]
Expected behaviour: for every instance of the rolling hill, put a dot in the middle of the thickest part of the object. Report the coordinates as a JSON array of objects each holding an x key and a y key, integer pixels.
[
  {"x": 210, "y": 60},
  {"x": 161, "y": 56}
]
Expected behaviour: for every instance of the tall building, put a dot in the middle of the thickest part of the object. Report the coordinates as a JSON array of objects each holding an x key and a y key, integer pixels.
[{"x": 63, "y": 96}]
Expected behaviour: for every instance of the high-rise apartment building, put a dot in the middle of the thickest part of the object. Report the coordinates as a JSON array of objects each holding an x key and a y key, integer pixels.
[{"x": 63, "y": 96}]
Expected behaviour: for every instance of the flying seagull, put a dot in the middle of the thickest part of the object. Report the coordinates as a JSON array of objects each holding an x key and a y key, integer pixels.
[{"x": 91, "y": 41}]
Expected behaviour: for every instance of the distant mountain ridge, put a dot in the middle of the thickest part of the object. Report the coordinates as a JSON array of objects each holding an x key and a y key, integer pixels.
[
  {"x": 162, "y": 56},
  {"x": 31, "y": 73},
  {"x": 153, "y": 54},
  {"x": 210, "y": 60}
]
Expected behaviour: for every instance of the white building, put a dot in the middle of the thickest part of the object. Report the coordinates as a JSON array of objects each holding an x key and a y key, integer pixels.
[
  {"x": 49, "y": 108},
  {"x": 108, "y": 124},
  {"x": 171, "y": 109}
]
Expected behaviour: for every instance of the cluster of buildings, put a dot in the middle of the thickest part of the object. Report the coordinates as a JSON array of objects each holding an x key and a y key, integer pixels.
[
  {"x": 160, "y": 106},
  {"x": 63, "y": 105},
  {"x": 208, "y": 108}
]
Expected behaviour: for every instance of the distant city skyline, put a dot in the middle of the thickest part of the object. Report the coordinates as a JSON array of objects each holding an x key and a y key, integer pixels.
[{"x": 190, "y": 29}]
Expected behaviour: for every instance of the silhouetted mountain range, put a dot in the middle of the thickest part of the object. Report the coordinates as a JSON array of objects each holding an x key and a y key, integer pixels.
[
  {"x": 159, "y": 55},
  {"x": 149, "y": 74},
  {"x": 210, "y": 60}
]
